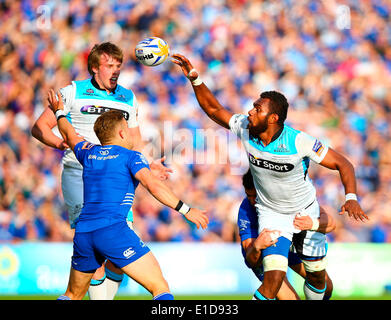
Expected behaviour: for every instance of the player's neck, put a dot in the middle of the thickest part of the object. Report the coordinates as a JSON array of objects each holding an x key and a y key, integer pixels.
[
  {"x": 271, "y": 134},
  {"x": 117, "y": 142}
]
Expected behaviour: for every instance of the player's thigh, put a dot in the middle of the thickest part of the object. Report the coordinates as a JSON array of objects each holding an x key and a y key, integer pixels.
[
  {"x": 146, "y": 271},
  {"x": 275, "y": 257},
  {"x": 72, "y": 190}
]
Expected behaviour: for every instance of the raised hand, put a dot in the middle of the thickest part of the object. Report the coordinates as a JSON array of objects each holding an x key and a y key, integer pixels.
[
  {"x": 54, "y": 103},
  {"x": 186, "y": 66}
]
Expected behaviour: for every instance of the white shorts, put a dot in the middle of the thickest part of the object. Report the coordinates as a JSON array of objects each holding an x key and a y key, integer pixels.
[
  {"x": 72, "y": 191},
  {"x": 307, "y": 243}
]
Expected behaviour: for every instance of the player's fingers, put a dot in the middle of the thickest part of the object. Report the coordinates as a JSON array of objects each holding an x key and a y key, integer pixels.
[
  {"x": 50, "y": 96},
  {"x": 179, "y": 63},
  {"x": 59, "y": 95},
  {"x": 342, "y": 210}
]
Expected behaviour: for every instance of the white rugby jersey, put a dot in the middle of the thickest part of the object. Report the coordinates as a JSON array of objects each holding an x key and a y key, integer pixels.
[
  {"x": 84, "y": 102},
  {"x": 280, "y": 169}
]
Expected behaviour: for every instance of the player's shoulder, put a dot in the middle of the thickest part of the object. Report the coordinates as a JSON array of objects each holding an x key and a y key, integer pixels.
[
  {"x": 124, "y": 93},
  {"x": 291, "y": 131},
  {"x": 85, "y": 145},
  {"x": 82, "y": 83},
  {"x": 245, "y": 209}
]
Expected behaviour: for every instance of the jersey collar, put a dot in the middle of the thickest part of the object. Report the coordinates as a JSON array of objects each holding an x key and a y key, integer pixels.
[
  {"x": 274, "y": 138},
  {"x": 96, "y": 85},
  {"x": 277, "y": 134}
]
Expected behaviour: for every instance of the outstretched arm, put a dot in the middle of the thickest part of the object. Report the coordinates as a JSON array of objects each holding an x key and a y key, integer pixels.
[
  {"x": 164, "y": 195},
  {"x": 67, "y": 131},
  {"x": 336, "y": 161},
  {"x": 205, "y": 97}
]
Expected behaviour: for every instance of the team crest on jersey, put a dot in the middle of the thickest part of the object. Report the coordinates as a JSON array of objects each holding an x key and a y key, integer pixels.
[
  {"x": 91, "y": 109},
  {"x": 270, "y": 165},
  {"x": 89, "y": 92},
  {"x": 121, "y": 97},
  {"x": 281, "y": 148}
]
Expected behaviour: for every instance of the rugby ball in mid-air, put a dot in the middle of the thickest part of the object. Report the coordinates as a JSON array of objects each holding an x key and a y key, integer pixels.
[{"x": 152, "y": 51}]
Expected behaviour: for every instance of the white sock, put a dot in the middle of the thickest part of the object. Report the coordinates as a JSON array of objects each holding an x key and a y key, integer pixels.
[
  {"x": 113, "y": 281},
  {"x": 311, "y": 293},
  {"x": 97, "y": 289}
]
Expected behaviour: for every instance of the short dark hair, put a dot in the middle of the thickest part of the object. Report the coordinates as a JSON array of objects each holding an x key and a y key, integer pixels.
[
  {"x": 105, "y": 125},
  {"x": 278, "y": 103},
  {"x": 104, "y": 48},
  {"x": 247, "y": 180}
]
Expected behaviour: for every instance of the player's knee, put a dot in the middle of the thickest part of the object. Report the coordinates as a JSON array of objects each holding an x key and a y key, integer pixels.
[
  {"x": 316, "y": 279},
  {"x": 315, "y": 265},
  {"x": 159, "y": 287},
  {"x": 275, "y": 262}
]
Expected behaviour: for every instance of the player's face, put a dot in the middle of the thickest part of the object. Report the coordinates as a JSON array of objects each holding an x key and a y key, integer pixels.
[
  {"x": 258, "y": 117},
  {"x": 251, "y": 195},
  {"x": 106, "y": 75}
]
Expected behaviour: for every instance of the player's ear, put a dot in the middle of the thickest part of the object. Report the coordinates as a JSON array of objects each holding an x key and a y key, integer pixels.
[
  {"x": 273, "y": 118},
  {"x": 121, "y": 133}
]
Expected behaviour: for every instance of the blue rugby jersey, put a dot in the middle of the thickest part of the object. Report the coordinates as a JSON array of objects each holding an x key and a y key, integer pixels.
[
  {"x": 247, "y": 224},
  {"x": 109, "y": 183}
]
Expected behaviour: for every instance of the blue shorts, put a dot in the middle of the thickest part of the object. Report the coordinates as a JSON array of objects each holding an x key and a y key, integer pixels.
[
  {"x": 281, "y": 247},
  {"x": 117, "y": 243}
]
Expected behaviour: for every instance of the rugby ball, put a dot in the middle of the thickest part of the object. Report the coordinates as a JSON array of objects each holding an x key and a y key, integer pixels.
[{"x": 152, "y": 51}]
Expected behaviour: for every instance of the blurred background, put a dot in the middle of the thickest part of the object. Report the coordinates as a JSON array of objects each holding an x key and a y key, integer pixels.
[{"x": 332, "y": 59}]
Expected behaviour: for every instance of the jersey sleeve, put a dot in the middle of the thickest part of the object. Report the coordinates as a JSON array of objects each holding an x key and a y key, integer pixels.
[
  {"x": 238, "y": 124},
  {"x": 82, "y": 150},
  {"x": 133, "y": 115},
  {"x": 310, "y": 147},
  {"x": 67, "y": 94},
  {"x": 136, "y": 162},
  {"x": 247, "y": 221}
]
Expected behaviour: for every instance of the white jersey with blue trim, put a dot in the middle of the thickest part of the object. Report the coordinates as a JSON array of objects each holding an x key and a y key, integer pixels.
[
  {"x": 280, "y": 169},
  {"x": 84, "y": 102}
]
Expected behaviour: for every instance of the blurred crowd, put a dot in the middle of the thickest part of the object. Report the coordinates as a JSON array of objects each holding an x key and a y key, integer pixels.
[{"x": 332, "y": 59}]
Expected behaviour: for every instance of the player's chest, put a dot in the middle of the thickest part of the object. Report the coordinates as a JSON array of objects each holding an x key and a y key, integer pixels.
[
  {"x": 273, "y": 159},
  {"x": 89, "y": 109}
]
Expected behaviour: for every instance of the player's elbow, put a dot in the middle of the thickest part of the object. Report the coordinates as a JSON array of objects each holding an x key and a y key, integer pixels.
[{"x": 36, "y": 131}]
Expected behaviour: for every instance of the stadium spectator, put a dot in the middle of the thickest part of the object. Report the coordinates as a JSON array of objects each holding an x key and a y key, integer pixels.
[{"x": 331, "y": 59}]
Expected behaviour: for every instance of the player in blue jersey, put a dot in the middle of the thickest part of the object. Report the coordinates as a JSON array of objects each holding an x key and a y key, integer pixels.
[
  {"x": 252, "y": 243},
  {"x": 279, "y": 158},
  {"x": 111, "y": 173},
  {"x": 84, "y": 101}
]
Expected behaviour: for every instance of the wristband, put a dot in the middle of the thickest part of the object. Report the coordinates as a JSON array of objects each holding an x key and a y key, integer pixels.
[
  {"x": 182, "y": 207},
  {"x": 197, "y": 81},
  {"x": 315, "y": 224},
  {"x": 350, "y": 196},
  {"x": 59, "y": 114}
]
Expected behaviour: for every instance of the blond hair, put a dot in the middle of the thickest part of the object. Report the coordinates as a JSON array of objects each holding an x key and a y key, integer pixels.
[
  {"x": 103, "y": 48},
  {"x": 106, "y": 124}
]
